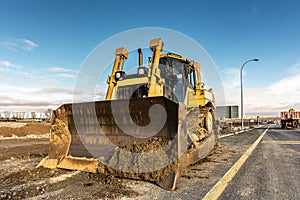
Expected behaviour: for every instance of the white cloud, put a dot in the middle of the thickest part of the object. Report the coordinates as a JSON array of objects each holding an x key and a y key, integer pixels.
[
  {"x": 50, "y": 81},
  {"x": 278, "y": 96},
  {"x": 8, "y": 101},
  {"x": 7, "y": 64},
  {"x": 52, "y": 90},
  {"x": 10, "y": 45},
  {"x": 231, "y": 77},
  {"x": 34, "y": 90},
  {"x": 19, "y": 44},
  {"x": 22, "y": 98},
  {"x": 17, "y": 71},
  {"x": 28, "y": 45},
  {"x": 65, "y": 75},
  {"x": 59, "y": 69},
  {"x": 263, "y": 100},
  {"x": 294, "y": 68},
  {"x": 286, "y": 85},
  {"x": 63, "y": 72},
  {"x": 100, "y": 93},
  {"x": 18, "y": 98},
  {"x": 4, "y": 77}
]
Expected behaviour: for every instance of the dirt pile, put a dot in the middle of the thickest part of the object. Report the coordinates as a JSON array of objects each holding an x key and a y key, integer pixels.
[
  {"x": 23, "y": 148},
  {"x": 38, "y": 129}
]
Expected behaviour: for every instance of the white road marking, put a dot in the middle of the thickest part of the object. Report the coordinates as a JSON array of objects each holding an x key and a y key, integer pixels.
[
  {"x": 280, "y": 142},
  {"x": 235, "y": 133},
  {"x": 227, "y": 135},
  {"x": 220, "y": 186}
]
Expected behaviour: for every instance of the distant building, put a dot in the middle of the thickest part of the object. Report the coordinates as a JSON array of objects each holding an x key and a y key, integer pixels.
[{"x": 227, "y": 112}]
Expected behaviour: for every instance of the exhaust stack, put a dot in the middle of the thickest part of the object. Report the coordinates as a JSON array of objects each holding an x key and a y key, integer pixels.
[{"x": 140, "y": 57}]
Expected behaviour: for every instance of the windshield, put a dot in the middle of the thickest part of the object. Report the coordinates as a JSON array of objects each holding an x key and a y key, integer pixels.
[
  {"x": 132, "y": 91},
  {"x": 172, "y": 71}
]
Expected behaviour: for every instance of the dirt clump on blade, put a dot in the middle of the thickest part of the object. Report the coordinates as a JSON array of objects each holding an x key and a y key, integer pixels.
[
  {"x": 37, "y": 129},
  {"x": 148, "y": 146},
  {"x": 151, "y": 160}
]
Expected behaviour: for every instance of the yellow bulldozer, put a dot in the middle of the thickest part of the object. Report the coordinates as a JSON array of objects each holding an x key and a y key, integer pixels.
[{"x": 151, "y": 126}]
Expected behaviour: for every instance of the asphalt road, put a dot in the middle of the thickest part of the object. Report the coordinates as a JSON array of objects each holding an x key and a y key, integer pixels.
[
  {"x": 272, "y": 171},
  {"x": 200, "y": 178}
]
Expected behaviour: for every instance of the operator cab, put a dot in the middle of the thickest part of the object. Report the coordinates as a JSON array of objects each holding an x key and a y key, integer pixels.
[{"x": 177, "y": 72}]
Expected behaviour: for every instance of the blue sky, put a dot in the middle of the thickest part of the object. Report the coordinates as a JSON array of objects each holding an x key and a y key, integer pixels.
[{"x": 44, "y": 43}]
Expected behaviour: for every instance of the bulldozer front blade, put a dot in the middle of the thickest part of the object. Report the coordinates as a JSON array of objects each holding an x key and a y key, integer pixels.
[
  {"x": 143, "y": 139},
  {"x": 120, "y": 134}
]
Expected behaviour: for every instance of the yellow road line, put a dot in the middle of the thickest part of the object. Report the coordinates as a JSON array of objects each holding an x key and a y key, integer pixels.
[
  {"x": 220, "y": 186},
  {"x": 280, "y": 142}
]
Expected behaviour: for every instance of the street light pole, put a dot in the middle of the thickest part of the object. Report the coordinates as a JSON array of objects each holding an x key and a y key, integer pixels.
[{"x": 242, "y": 100}]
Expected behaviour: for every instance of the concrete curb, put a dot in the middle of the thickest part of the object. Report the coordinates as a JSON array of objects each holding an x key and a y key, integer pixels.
[{"x": 236, "y": 133}]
